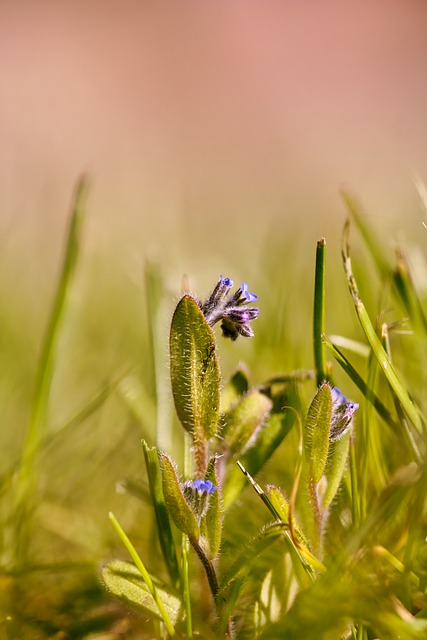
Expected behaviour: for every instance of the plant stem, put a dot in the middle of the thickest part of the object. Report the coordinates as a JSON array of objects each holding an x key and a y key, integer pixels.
[
  {"x": 209, "y": 569},
  {"x": 319, "y": 312}
]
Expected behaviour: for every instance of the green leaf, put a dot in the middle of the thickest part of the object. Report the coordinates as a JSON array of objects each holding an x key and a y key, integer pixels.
[
  {"x": 233, "y": 389},
  {"x": 212, "y": 522},
  {"x": 246, "y": 417},
  {"x": 269, "y": 438},
  {"x": 124, "y": 581},
  {"x": 164, "y": 530},
  {"x": 244, "y": 561},
  {"x": 178, "y": 508},
  {"x": 316, "y": 441},
  {"x": 195, "y": 372},
  {"x": 281, "y": 506},
  {"x": 335, "y": 467}
]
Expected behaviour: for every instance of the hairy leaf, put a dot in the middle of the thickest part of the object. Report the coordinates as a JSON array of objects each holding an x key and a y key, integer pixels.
[
  {"x": 124, "y": 581},
  {"x": 318, "y": 424},
  {"x": 178, "y": 507},
  {"x": 195, "y": 372}
]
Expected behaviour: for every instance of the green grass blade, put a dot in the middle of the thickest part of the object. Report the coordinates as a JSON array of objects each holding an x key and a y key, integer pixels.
[
  {"x": 375, "y": 248},
  {"x": 36, "y": 429},
  {"x": 124, "y": 581},
  {"x": 405, "y": 287},
  {"x": 361, "y": 384},
  {"x": 144, "y": 573},
  {"x": 319, "y": 312},
  {"x": 379, "y": 351}
]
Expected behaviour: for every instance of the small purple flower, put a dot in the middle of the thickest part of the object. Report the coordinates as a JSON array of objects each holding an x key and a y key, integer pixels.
[
  {"x": 229, "y": 309},
  {"x": 342, "y": 415}
]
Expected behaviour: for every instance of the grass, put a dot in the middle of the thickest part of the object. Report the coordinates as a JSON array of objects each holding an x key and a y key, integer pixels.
[{"x": 318, "y": 523}]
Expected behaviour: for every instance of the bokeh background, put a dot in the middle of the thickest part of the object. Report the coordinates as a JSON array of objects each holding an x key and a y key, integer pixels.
[
  {"x": 210, "y": 119},
  {"x": 216, "y": 135}
]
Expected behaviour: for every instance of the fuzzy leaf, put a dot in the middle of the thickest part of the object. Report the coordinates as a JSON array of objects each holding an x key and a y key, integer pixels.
[
  {"x": 245, "y": 557},
  {"x": 276, "y": 429},
  {"x": 178, "y": 507},
  {"x": 317, "y": 431},
  {"x": 234, "y": 388},
  {"x": 212, "y": 522},
  {"x": 335, "y": 467},
  {"x": 195, "y": 372},
  {"x": 161, "y": 512},
  {"x": 124, "y": 581},
  {"x": 281, "y": 505},
  {"x": 245, "y": 419}
]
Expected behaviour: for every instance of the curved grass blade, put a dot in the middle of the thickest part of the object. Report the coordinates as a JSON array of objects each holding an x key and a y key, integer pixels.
[
  {"x": 384, "y": 361},
  {"x": 124, "y": 580},
  {"x": 375, "y": 247},
  {"x": 361, "y": 384},
  {"x": 144, "y": 574}
]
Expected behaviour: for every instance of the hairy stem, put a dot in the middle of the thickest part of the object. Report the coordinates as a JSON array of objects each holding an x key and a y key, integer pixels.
[{"x": 209, "y": 569}]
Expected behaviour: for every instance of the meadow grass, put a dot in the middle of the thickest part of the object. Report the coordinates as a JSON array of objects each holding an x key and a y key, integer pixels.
[{"x": 259, "y": 503}]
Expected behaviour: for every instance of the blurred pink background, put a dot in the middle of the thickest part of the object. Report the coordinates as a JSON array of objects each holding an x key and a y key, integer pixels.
[{"x": 209, "y": 116}]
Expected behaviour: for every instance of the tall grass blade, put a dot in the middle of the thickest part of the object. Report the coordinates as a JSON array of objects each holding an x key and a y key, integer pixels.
[
  {"x": 36, "y": 430},
  {"x": 319, "y": 312}
]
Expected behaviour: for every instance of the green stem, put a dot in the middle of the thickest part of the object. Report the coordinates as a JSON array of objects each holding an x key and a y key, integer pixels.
[
  {"x": 355, "y": 499},
  {"x": 319, "y": 312},
  {"x": 186, "y": 587},
  {"x": 209, "y": 569}
]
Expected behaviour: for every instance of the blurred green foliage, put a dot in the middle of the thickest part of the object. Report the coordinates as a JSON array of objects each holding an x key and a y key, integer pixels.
[{"x": 110, "y": 388}]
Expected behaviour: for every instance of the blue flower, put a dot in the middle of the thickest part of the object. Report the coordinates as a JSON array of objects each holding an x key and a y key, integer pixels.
[
  {"x": 221, "y": 306},
  {"x": 197, "y": 493},
  {"x": 342, "y": 415},
  {"x": 250, "y": 297},
  {"x": 204, "y": 486}
]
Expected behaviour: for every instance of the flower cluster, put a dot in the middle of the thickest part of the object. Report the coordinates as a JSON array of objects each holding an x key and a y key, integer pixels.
[
  {"x": 342, "y": 415},
  {"x": 197, "y": 494},
  {"x": 230, "y": 309}
]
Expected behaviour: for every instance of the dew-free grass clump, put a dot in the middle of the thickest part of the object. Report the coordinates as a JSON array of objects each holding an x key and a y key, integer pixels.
[{"x": 300, "y": 573}]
